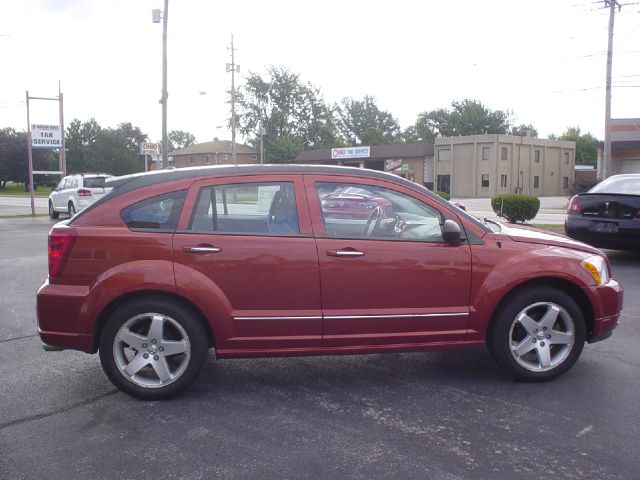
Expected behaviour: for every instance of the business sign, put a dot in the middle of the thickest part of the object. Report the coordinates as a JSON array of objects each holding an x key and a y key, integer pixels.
[
  {"x": 46, "y": 136},
  {"x": 393, "y": 164},
  {"x": 350, "y": 152},
  {"x": 150, "y": 149}
]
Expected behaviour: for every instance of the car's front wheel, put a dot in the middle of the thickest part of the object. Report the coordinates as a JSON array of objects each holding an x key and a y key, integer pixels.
[
  {"x": 538, "y": 334},
  {"x": 152, "y": 348},
  {"x": 53, "y": 215}
]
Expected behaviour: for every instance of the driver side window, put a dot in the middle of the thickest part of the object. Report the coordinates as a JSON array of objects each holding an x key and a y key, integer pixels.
[{"x": 367, "y": 211}]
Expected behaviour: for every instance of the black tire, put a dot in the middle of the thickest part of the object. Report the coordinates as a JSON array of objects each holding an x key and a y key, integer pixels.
[
  {"x": 521, "y": 341},
  {"x": 71, "y": 210},
  {"x": 53, "y": 215},
  {"x": 127, "y": 342}
]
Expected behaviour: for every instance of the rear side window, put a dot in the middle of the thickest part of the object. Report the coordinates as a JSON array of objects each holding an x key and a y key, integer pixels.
[
  {"x": 159, "y": 213},
  {"x": 247, "y": 208}
]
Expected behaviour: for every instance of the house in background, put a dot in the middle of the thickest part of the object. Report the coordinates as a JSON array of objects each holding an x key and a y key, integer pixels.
[
  {"x": 477, "y": 166},
  {"x": 625, "y": 147},
  {"x": 217, "y": 152}
]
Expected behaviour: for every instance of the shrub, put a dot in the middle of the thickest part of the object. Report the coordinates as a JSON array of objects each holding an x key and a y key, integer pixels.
[
  {"x": 444, "y": 195},
  {"x": 515, "y": 208}
]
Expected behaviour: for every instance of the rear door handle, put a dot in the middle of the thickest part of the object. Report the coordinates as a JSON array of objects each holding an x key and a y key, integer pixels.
[
  {"x": 345, "y": 253},
  {"x": 201, "y": 249}
]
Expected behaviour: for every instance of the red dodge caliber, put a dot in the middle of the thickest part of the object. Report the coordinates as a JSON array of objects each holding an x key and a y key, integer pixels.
[{"x": 251, "y": 261}]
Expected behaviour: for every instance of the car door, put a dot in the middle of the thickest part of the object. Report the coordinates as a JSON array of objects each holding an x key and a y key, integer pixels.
[
  {"x": 387, "y": 276},
  {"x": 57, "y": 195},
  {"x": 250, "y": 242}
]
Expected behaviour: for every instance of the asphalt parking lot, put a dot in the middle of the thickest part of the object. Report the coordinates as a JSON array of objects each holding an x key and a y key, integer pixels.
[{"x": 436, "y": 415}]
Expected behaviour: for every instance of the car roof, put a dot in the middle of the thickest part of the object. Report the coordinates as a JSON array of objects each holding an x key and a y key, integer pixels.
[{"x": 136, "y": 181}]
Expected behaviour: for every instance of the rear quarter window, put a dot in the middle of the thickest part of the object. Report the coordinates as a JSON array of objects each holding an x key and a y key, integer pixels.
[{"x": 158, "y": 213}]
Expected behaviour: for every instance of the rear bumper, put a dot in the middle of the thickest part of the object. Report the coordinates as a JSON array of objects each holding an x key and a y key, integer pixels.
[
  {"x": 607, "y": 302},
  {"x": 626, "y": 237},
  {"x": 59, "y": 310}
]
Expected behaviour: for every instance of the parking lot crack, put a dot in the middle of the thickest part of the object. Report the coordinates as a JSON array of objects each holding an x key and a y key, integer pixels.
[
  {"x": 40, "y": 416},
  {"x": 18, "y": 338}
]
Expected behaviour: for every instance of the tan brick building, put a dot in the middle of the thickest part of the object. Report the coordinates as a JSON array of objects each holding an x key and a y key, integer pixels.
[
  {"x": 477, "y": 166},
  {"x": 217, "y": 152}
]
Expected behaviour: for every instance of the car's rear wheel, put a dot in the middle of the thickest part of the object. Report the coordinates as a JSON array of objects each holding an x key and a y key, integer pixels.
[
  {"x": 71, "y": 209},
  {"x": 52, "y": 213},
  {"x": 152, "y": 348},
  {"x": 538, "y": 334}
]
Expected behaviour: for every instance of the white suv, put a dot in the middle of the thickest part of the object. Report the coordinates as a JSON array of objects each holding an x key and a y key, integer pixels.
[{"x": 76, "y": 192}]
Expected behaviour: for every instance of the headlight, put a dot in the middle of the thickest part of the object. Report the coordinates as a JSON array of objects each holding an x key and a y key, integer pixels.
[{"x": 597, "y": 268}]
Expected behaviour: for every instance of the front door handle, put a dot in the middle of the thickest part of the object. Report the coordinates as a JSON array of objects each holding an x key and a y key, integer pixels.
[
  {"x": 345, "y": 253},
  {"x": 201, "y": 249}
]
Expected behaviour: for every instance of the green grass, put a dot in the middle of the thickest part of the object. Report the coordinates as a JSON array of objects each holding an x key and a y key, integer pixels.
[{"x": 17, "y": 189}]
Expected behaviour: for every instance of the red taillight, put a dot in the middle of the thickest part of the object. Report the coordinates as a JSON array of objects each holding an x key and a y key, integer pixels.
[
  {"x": 83, "y": 192},
  {"x": 574, "y": 205},
  {"x": 60, "y": 245}
]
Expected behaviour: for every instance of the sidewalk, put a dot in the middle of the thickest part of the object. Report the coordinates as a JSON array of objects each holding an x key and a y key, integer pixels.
[{"x": 553, "y": 210}]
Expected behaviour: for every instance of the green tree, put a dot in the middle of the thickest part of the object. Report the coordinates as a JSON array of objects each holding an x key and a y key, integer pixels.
[
  {"x": 293, "y": 114},
  {"x": 362, "y": 122},
  {"x": 91, "y": 148},
  {"x": 586, "y": 150},
  {"x": 466, "y": 117},
  {"x": 180, "y": 139},
  {"x": 525, "y": 130},
  {"x": 14, "y": 158}
]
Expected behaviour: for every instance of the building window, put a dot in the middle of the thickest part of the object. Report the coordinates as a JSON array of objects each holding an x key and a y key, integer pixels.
[
  {"x": 565, "y": 182},
  {"x": 536, "y": 157},
  {"x": 159, "y": 164},
  {"x": 486, "y": 152},
  {"x": 485, "y": 180},
  {"x": 207, "y": 159},
  {"x": 192, "y": 160},
  {"x": 536, "y": 181},
  {"x": 444, "y": 155},
  {"x": 443, "y": 183},
  {"x": 566, "y": 158},
  {"x": 503, "y": 181},
  {"x": 254, "y": 157},
  {"x": 503, "y": 153},
  {"x": 171, "y": 162}
]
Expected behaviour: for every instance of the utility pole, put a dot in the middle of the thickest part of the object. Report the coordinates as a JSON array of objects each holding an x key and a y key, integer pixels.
[
  {"x": 233, "y": 68},
  {"x": 606, "y": 167},
  {"x": 156, "y": 19}
]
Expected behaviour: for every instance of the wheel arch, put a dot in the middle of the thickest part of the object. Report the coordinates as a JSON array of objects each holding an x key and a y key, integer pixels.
[
  {"x": 148, "y": 295},
  {"x": 565, "y": 286}
]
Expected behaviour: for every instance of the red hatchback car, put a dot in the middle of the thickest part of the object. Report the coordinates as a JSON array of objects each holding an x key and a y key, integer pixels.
[{"x": 247, "y": 261}]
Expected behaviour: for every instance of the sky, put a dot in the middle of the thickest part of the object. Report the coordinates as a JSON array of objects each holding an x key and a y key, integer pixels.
[{"x": 543, "y": 60}]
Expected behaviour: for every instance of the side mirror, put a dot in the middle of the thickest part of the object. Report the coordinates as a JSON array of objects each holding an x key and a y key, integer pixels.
[{"x": 451, "y": 232}]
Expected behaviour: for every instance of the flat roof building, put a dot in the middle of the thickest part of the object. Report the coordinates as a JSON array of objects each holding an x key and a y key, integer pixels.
[{"x": 477, "y": 166}]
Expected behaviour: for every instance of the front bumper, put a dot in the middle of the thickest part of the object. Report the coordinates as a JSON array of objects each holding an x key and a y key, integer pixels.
[{"x": 607, "y": 305}]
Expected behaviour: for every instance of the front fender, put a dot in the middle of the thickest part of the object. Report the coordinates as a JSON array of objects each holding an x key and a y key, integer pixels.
[{"x": 512, "y": 271}]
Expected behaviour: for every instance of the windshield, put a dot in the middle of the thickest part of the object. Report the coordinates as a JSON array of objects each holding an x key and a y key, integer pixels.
[
  {"x": 94, "y": 182},
  {"x": 619, "y": 184}
]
